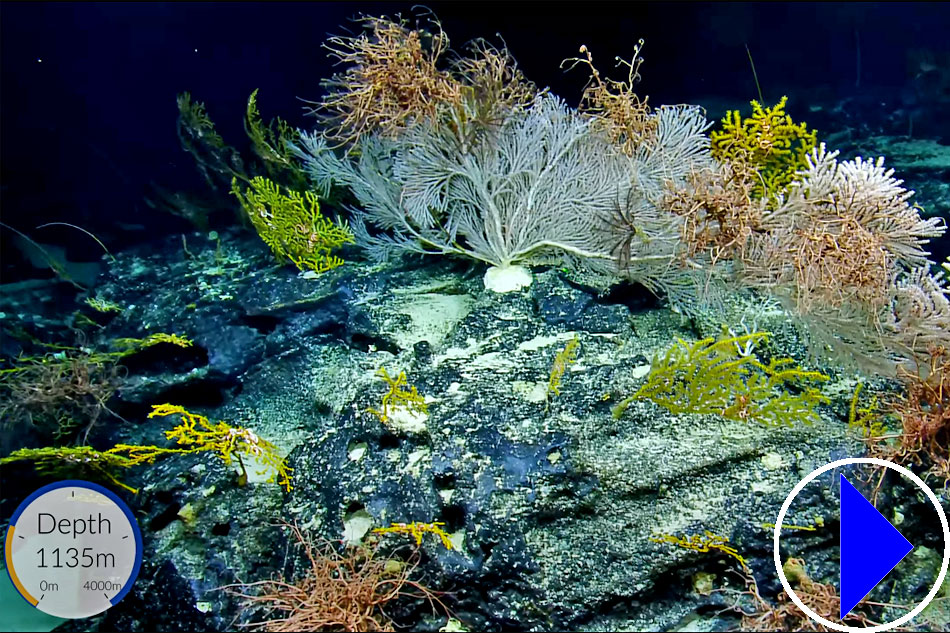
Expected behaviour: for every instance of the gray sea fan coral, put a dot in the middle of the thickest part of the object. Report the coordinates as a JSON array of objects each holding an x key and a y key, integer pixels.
[
  {"x": 535, "y": 188},
  {"x": 543, "y": 187},
  {"x": 648, "y": 246},
  {"x": 918, "y": 317}
]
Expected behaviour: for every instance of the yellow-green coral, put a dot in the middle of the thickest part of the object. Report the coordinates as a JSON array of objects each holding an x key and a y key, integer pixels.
[
  {"x": 102, "y": 305},
  {"x": 197, "y": 434},
  {"x": 292, "y": 226},
  {"x": 69, "y": 460},
  {"x": 132, "y": 345},
  {"x": 271, "y": 145},
  {"x": 417, "y": 530},
  {"x": 768, "y": 141},
  {"x": 706, "y": 543},
  {"x": 719, "y": 377},
  {"x": 564, "y": 359},
  {"x": 193, "y": 114},
  {"x": 398, "y": 397},
  {"x": 796, "y": 528},
  {"x": 66, "y": 355},
  {"x": 868, "y": 418},
  {"x": 67, "y": 388}
]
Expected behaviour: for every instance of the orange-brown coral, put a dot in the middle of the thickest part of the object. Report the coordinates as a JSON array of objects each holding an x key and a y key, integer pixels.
[
  {"x": 343, "y": 590},
  {"x": 924, "y": 412},
  {"x": 718, "y": 211},
  {"x": 392, "y": 77},
  {"x": 785, "y": 615},
  {"x": 492, "y": 88},
  {"x": 58, "y": 394}
]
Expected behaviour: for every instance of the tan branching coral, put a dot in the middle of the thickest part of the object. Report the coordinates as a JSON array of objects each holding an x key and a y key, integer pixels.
[
  {"x": 843, "y": 233},
  {"x": 394, "y": 78},
  {"x": 834, "y": 263},
  {"x": 924, "y": 413},
  {"x": 844, "y": 251},
  {"x": 718, "y": 211},
  {"x": 391, "y": 78},
  {"x": 614, "y": 106},
  {"x": 492, "y": 88},
  {"x": 493, "y": 80},
  {"x": 58, "y": 396}
]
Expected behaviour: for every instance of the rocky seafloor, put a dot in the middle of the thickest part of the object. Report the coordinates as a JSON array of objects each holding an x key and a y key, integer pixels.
[{"x": 550, "y": 500}]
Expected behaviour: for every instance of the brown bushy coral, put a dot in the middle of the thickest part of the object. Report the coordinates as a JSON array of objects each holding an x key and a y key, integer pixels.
[
  {"x": 492, "y": 88},
  {"x": 785, "y": 615},
  {"x": 393, "y": 78},
  {"x": 844, "y": 252},
  {"x": 60, "y": 392},
  {"x": 924, "y": 413},
  {"x": 494, "y": 79},
  {"x": 842, "y": 234},
  {"x": 719, "y": 214},
  {"x": 57, "y": 394}
]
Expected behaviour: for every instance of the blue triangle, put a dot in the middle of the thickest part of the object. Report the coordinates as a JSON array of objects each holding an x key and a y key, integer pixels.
[{"x": 870, "y": 547}]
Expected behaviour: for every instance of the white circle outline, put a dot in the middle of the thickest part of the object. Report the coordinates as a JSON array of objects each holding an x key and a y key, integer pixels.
[{"x": 877, "y": 462}]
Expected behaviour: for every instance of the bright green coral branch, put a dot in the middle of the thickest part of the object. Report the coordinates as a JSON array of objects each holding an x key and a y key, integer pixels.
[
  {"x": 132, "y": 345},
  {"x": 195, "y": 117},
  {"x": 270, "y": 145},
  {"x": 718, "y": 377},
  {"x": 70, "y": 460},
  {"x": 292, "y": 226}
]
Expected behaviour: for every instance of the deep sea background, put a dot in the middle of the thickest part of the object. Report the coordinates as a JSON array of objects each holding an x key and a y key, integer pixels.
[{"x": 87, "y": 105}]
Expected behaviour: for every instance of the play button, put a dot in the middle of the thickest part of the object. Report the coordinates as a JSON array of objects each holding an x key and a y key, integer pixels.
[{"x": 870, "y": 546}]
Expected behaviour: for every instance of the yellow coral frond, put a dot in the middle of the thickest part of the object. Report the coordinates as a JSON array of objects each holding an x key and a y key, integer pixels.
[
  {"x": 770, "y": 142},
  {"x": 143, "y": 454},
  {"x": 173, "y": 339},
  {"x": 199, "y": 434},
  {"x": 797, "y": 528},
  {"x": 63, "y": 460},
  {"x": 562, "y": 360},
  {"x": 417, "y": 530},
  {"x": 103, "y": 305},
  {"x": 159, "y": 410},
  {"x": 706, "y": 542},
  {"x": 398, "y": 397},
  {"x": 132, "y": 345},
  {"x": 868, "y": 419},
  {"x": 292, "y": 226},
  {"x": 720, "y": 377}
]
